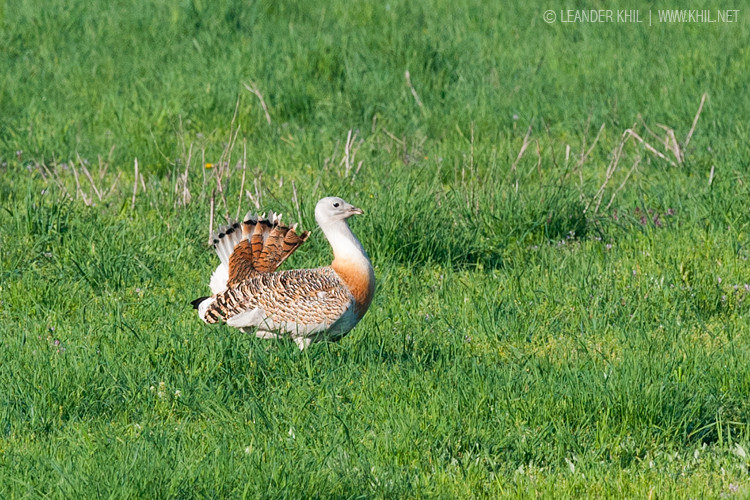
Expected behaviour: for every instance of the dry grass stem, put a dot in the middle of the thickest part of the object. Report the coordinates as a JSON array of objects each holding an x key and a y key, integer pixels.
[
  {"x": 102, "y": 168},
  {"x": 112, "y": 186},
  {"x": 395, "y": 139},
  {"x": 211, "y": 216},
  {"x": 181, "y": 187},
  {"x": 86, "y": 201},
  {"x": 670, "y": 142},
  {"x": 295, "y": 200},
  {"x": 650, "y": 147},
  {"x": 56, "y": 178},
  {"x": 252, "y": 88},
  {"x": 242, "y": 183},
  {"x": 413, "y": 90},
  {"x": 538, "y": 158},
  {"x": 622, "y": 184},
  {"x": 523, "y": 149},
  {"x": 591, "y": 148},
  {"x": 186, "y": 196},
  {"x": 611, "y": 168},
  {"x": 350, "y": 151},
  {"x": 695, "y": 120},
  {"x": 88, "y": 176},
  {"x": 135, "y": 183}
]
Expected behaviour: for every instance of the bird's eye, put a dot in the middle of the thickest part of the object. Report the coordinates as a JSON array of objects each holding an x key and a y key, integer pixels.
[{"x": 336, "y": 204}]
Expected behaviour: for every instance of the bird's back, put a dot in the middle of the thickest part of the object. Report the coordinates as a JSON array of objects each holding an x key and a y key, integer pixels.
[{"x": 298, "y": 300}]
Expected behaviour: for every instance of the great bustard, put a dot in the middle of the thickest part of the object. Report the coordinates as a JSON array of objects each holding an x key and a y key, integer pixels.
[{"x": 307, "y": 305}]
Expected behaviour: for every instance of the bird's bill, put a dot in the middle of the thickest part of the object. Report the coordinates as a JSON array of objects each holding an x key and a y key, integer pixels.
[{"x": 356, "y": 211}]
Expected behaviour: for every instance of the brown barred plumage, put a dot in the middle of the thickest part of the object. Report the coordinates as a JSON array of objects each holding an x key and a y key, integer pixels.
[{"x": 312, "y": 296}]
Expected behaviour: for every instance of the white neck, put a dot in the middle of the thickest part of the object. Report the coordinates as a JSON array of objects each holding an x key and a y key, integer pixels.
[{"x": 346, "y": 246}]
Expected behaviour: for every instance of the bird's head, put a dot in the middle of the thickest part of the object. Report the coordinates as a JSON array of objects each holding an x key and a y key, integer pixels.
[{"x": 332, "y": 209}]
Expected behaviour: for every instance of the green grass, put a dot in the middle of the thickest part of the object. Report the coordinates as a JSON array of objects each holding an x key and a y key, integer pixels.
[{"x": 533, "y": 333}]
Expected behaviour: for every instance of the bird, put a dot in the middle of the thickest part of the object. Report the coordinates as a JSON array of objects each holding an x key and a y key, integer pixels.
[{"x": 306, "y": 305}]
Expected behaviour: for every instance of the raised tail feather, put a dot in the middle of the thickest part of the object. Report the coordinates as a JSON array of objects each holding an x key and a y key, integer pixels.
[
  {"x": 271, "y": 242},
  {"x": 225, "y": 239},
  {"x": 257, "y": 245}
]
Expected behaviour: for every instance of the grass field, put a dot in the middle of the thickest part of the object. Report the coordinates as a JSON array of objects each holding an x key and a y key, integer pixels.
[{"x": 558, "y": 215}]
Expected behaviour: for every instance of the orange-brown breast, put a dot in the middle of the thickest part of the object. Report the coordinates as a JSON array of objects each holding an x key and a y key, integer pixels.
[{"x": 360, "y": 280}]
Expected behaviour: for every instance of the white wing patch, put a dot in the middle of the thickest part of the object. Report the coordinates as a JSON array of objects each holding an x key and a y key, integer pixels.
[
  {"x": 251, "y": 317},
  {"x": 258, "y": 318},
  {"x": 219, "y": 279}
]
